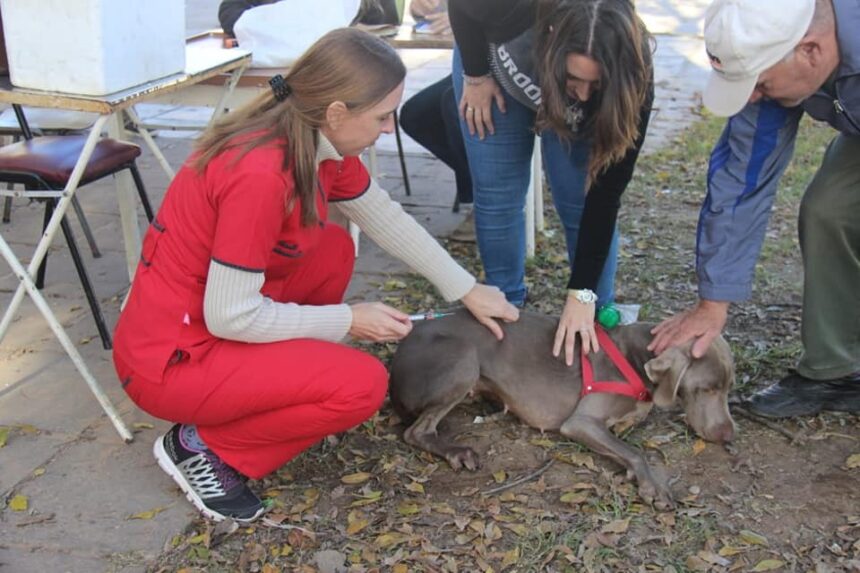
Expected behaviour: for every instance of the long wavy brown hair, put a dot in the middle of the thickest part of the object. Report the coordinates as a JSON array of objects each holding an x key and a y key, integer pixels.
[
  {"x": 611, "y": 33},
  {"x": 345, "y": 65}
]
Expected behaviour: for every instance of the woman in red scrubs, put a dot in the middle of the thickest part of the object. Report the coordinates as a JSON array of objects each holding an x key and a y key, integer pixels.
[{"x": 233, "y": 324}]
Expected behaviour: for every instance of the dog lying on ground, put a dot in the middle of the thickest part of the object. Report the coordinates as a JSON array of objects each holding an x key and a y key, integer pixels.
[{"x": 444, "y": 360}]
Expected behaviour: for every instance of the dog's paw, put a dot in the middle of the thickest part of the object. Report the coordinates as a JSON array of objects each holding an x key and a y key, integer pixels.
[
  {"x": 460, "y": 457},
  {"x": 656, "y": 494}
]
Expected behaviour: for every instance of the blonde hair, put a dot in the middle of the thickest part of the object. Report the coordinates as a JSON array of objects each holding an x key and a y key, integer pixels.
[
  {"x": 611, "y": 33},
  {"x": 345, "y": 65}
]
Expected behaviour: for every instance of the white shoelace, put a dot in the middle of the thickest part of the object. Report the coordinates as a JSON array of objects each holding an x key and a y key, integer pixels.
[{"x": 208, "y": 475}]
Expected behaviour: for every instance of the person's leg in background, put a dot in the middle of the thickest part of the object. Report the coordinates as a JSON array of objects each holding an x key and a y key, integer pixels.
[
  {"x": 430, "y": 118},
  {"x": 566, "y": 165},
  {"x": 828, "y": 373},
  {"x": 500, "y": 165},
  {"x": 459, "y": 160}
]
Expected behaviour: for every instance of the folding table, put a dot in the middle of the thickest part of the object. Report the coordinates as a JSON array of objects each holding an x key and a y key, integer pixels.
[{"x": 201, "y": 64}]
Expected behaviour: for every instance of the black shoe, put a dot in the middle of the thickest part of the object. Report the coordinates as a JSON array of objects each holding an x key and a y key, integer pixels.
[
  {"x": 209, "y": 483},
  {"x": 796, "y": 395}
]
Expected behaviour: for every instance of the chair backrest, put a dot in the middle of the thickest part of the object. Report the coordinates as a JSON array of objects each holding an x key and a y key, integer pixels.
[{"x": 43, "y": 121}]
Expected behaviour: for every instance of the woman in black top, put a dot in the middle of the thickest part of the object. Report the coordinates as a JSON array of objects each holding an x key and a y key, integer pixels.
[{"x": 578, "y": 73}]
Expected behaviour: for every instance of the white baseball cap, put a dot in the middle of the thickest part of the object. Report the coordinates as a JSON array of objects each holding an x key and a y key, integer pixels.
[{"x": 745, "y": 38}]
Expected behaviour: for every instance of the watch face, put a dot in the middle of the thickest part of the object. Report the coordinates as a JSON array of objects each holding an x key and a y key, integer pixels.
[{"x": 586, "y": 296}]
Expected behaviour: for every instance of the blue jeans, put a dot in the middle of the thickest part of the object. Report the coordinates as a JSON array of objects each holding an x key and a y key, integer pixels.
[{"x": 500, "y": 168}]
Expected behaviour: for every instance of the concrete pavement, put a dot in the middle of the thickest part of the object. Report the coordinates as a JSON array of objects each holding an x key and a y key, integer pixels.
[{"x": 96, "y": 504}]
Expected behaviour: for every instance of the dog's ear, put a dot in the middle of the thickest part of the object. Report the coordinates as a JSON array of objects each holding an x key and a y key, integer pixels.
[{"x": 666, "y": 371}]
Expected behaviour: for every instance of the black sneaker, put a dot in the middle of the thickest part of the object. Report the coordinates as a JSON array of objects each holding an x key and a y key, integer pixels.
[
  {"x": 796, "y": 395},
  {"x": 209, "y": 483}
]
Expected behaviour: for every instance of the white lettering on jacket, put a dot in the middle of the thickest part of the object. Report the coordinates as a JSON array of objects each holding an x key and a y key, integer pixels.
[{"x": 521, "y": 80}]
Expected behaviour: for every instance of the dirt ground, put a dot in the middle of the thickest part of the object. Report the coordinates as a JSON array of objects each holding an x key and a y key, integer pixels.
[{"x": 784, "y": 496}]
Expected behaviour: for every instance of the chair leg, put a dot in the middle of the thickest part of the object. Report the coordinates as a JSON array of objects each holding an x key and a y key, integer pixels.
[
  {"x": 88, "y": 233},
  {"x": 401, "y": 155},
  {"x": 40, "y": 274},
  {"x": 7, "y": 204},
  {"x": 96, "y": 309},
  {"x": 141, "y": 191},
  {"x": 7, "y": 207}
]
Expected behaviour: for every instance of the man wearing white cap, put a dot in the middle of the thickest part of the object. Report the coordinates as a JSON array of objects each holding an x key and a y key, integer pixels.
[{"x": 772, "y": 61}]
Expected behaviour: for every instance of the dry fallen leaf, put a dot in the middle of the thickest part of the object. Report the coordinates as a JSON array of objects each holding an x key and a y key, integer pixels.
[
  {"x": 356, "y": 526},
  {"x": 19, "y": 503},
  {"x": 713, "y": 558},
  {"x": 617, "y": 526},
  {"x": 407, "y": 509},
  {"x": 367, "y": 499},
  {"x": 4, "y": 435},
  {"x": 768, "y": 565},
  {"x": 393, "y": 284},
  {"x": 356, "y": 478},
  {"x": 695, "y": 563},
  {"x": 752, "y": 537},
  {"x": 415, "y": 487},
  {"x": 356, "y": 521},
  {"x": 200, "y": 539},
  {"x": 511, "y": 557},
  {"x": 699, "y": 446},
  {"x": 729, "y": 550},
  {"x": 577, "y": 459},
  {"x": 147, "y": 514},
  {"x": 477, "y": 525},
  {"x": 387, "y": 540},
  {"x": 853, "y": 462},
  {"x": 575, "y": 498}
]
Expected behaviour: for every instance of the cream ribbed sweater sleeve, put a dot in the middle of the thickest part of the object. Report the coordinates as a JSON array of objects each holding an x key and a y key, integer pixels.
[
  {"x": 389, "y": 226},
  {"x": 234, "y": 308}
]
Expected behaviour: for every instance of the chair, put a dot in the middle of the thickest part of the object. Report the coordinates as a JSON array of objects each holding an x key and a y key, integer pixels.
[
  {"x": 49, "y": 122},
  {"x": 44, "y": 164}
]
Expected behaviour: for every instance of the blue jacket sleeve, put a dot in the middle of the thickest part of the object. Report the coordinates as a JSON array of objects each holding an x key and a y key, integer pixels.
[{"x": 745, "y": 168}]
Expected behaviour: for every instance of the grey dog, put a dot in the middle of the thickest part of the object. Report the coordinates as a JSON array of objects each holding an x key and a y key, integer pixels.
[{"x": 444, "y": 360}]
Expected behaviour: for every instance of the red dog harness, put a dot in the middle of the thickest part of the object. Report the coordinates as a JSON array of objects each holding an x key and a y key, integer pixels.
[{"x": 631, "y": 386}]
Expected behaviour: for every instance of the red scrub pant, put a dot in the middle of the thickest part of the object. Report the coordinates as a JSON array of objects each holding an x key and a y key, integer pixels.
[{"x": 259, "y": 405}]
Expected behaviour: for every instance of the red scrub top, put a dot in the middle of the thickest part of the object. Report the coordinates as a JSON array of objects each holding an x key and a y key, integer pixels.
[{"x": 234, "y": 212}]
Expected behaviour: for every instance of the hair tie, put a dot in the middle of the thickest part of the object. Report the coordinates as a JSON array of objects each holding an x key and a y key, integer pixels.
[{"x": 280, "y": 87}]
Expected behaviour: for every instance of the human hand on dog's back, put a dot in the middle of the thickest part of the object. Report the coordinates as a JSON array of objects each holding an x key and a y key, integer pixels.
[
  {"x": 487, "y": 303},
  {"x": 378, "y": 322},
  {"x": 576, "y": 318}
]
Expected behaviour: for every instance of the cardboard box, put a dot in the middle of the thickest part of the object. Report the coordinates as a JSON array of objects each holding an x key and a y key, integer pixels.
[{"x": 92, "y": 47}]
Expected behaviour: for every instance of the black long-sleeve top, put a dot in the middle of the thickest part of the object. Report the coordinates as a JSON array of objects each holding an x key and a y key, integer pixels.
[
  {"x": 477, "y": 24},
  {"x": 385, "y": 12}
]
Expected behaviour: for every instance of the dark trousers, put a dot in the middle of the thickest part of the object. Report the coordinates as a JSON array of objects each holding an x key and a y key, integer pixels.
[
  {"x": 830, "y": 245},
  {"x": 431, "y": 118}
]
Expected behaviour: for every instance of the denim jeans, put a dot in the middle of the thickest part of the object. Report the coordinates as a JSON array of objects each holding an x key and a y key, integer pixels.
[{"x": 500, "y": 167}]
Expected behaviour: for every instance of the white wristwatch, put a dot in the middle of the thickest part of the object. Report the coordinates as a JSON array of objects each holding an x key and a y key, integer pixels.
[{"x": 583, "y": 295}]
